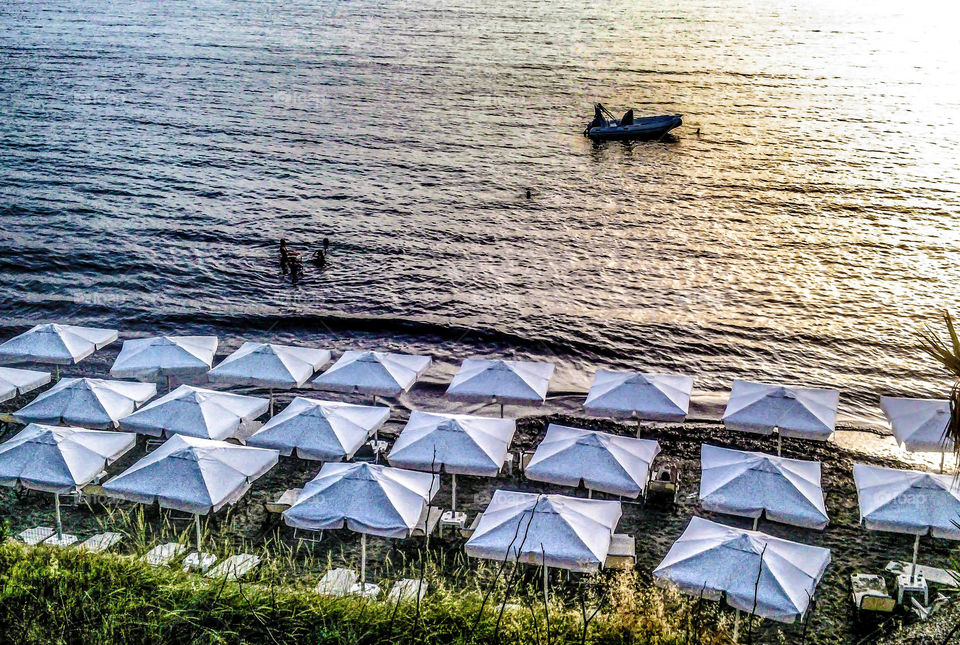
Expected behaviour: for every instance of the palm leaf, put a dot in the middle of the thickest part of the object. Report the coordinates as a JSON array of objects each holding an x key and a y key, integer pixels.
[{"x": 947, "y": 353}]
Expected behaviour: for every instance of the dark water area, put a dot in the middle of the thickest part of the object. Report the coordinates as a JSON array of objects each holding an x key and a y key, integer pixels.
[{"x": 152, "y": 155}]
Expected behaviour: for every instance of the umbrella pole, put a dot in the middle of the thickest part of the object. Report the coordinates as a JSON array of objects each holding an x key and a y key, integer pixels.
[
  {"x": 168, "y": 384},
  {"x": 589, "y": 493},
  {"x": 736, "y": 628},
  {"x": 756, "y": 521},
  {"x": 56, "y": 508},
  {"x": 779, "y": 442},
  {"x": 363, "y": 559},
  {"x": 916, "y": 549},
  {"x": 546, "y": 583},
  {"x": 196, "y": 518},
  {"x": 943, "y": 456},
  {"x": 453, "y": 494},
  {"x": 501, "y": 410},
  {"x": 56, "y": 372},
  {"x": 271, "y": 402}
]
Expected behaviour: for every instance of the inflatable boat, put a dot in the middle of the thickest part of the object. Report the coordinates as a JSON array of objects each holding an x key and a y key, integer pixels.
[{"x": 606, "y": 126}]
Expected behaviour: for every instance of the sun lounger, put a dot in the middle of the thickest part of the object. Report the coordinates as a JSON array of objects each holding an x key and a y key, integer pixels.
[
  {"x": 35, "y": 535},
  {"x": 428, "y": 521},
  {"x": 368, "y": 590},
  {"x": 65, "y": 539},
  {"x": 932, "y": 575},
  {"x": 234, "y": 567},
  {"x": 407, "y": 590},
  {"x": 869, "y": 594},
  {"x": 163, "y": 554},
  {"x": 200, "y": 562},
  {"x": 288, "y": 499},
  {"x": 337, "y": 582},
  {"x": 467, "y": 532},
  {"x": 100, "y": 542},
  {"x": 664, "y": 486},
  {"x": 622, "y": 553}
]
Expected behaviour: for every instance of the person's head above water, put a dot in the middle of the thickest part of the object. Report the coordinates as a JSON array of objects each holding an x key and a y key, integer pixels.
[{"x": 326, "y": 244}]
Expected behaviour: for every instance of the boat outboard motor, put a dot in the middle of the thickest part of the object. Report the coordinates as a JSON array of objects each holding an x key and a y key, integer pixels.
[
  {"x": 627, "y": 117},
  {"x": 598, "y": 120}
]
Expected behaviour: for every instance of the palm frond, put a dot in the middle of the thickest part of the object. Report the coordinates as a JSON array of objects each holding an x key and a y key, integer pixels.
[{"x": 947, "y": 353}]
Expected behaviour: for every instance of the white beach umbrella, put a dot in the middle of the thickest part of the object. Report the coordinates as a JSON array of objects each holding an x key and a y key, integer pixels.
[
  {"x": 458, "y": 444},
  {"x": 805, "y": 413},
  {"x": 756, "y": 573},
  {"x": 270, "y": 366},
  {"x": 59, "y": 460},
  {"x": 652, "y": 397},
  {"x": 603, "y": 462},
  {"x": 192, "y": 475},
  {"x": 908, "y": 501},
  {"x": 367, "y": 499},
  {"x": 87, "y": 402},
  {"x": 546, "y": 530},
  {"x": 521, "y": 382},
  {"x": 14, "y": 382},
  {"x": 750, "y": 484},
  {"x": 55, "y": 344},
  {"x": 373, "y": 373},
  {"x": 320, "y": 430},
  {"x": 157, "y": 359},
  {"x": 919, "y": 424},
  {"x": 196, "y": 412}
]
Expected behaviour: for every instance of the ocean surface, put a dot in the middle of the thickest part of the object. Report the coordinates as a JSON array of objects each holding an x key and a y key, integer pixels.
[{"x": 801, "y": 226}]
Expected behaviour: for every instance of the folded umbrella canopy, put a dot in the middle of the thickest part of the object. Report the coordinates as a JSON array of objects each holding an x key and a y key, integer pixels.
[
  {"x": 55, "y": 344},
  {"x": 454, "y": 443},
  {"x": 805, "y": 413},
  {"x": 192, "y": 475},
  {"x": 157, "y": 359},
  {"x": 919, "y": 424},
  {"x": 195, "y": 412},
  {"x": 59, "y": 460},
  {"x": 520, "y": 382},
  {"x": 908, "y": 501},
  {"x": 603, "y": 462},
  {"x": 87, "y": 402},
  {"x": 652, "y": 397},
  {"x": 750, "y": 484},
  {"x": 270, "y": 366},
  {"x": 320, "y": 430},
  {"x": 367, "y": 499},
  {"x": 373, "y": 373},
  {"x": 754, "y": 572},
  {"x": 14, "y": 382},
  {"x": 552, "y": 530}
]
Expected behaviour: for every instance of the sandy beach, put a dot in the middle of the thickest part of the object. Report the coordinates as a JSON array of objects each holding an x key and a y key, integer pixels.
[{"x": 853, "y": 548}]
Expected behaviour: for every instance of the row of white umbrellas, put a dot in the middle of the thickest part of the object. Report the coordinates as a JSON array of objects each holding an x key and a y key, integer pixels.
[{"x": 754, "y": 407}]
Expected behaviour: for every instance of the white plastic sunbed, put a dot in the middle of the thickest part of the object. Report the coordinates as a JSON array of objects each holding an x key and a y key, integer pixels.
[{"x": 163, "y": 554}]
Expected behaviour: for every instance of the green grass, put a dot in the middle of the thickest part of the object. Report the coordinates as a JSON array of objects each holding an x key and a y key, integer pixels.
[{"x": 50, "y": 595}]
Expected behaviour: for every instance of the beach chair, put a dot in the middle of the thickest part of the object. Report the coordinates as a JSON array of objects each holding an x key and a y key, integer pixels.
[
  {"x": 100, "y": 542},
  {"x": 622, "y": 553},
  {"x": 65, "y": 539},
  {"x": 199, "y": 562},
  {"x": 468, "y": 531},
  {"x": 407, "y": 590},
  {"x": 337, "y": 582},
  {"x": 869, "y": 595},
  {"x": 35, "y": 535},
  {"x": 234, "y": 567},
  {"x": 285, "y": 501},
  {"x": 163, "y": 554},
  {"x": 428, "y": 521},
  {"x": 664, "y": 486}
]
